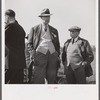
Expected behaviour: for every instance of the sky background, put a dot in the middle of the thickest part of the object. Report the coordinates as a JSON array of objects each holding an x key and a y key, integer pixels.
[{"x": 66, "y": 13}]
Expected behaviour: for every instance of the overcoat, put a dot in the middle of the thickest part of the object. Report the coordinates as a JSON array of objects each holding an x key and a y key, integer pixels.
[{"x": 15, "y": 43}]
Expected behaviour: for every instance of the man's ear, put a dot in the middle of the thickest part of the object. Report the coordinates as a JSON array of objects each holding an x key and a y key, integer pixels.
[
  {"x": 79, "y": 33},
  {"x": 9, "y": 18}
]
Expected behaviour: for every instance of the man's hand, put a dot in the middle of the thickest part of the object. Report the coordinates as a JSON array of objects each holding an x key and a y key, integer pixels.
[
  {"x": 32, "y": 53},
  {"x": 30, "y": 48},
  {"x": 84, "y": 63}
]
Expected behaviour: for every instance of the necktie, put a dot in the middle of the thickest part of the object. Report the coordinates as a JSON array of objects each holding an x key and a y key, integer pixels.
[
  {"x": 45, "y": 28},
  {"x": 72, "y": 41}
]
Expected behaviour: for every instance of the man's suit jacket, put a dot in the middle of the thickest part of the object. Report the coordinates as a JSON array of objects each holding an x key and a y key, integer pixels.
[
  {"x": 86, "y": 53},
  {"x": 35, "y": 33},
  {"x": 15, "y": 42}
]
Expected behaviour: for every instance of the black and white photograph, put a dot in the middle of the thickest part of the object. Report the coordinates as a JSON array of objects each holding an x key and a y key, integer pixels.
[{"x": 50, "y": 48}]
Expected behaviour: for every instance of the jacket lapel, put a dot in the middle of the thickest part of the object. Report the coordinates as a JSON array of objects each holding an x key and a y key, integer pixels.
[
  {"x": 37, "y": 36},
  {"x": 52, "y": 33},
  {"x": 38, "y": 31}
]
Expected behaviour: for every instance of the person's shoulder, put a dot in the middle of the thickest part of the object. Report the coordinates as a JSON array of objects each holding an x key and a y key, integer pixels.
[
  {"x": 7, "y": 26},
  {"x": 67, "y": 42},
  {"x": 84, "y": 40},
  {"x": 52, "y": 28},
  {"x": 18, "y": 26},
  {"x": 36, "y": 26},
  {"x": 11, "y": 26}
]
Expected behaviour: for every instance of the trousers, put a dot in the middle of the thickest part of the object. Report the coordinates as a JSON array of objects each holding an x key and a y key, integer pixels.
[
  {"x": 75, "y": 77},
  {"x": 45, "y": 67}
]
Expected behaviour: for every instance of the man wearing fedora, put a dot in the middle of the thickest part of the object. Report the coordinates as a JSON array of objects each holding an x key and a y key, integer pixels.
[
  {"x": 76, "y": 57},
  {"x": 43, "y": 43}
]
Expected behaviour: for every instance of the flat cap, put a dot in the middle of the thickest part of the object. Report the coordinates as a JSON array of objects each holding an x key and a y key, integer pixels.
[{"x": 75, "y": 28}]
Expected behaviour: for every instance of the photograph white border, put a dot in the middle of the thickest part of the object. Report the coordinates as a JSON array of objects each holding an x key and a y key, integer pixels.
[{"x": 48, "y": 92}]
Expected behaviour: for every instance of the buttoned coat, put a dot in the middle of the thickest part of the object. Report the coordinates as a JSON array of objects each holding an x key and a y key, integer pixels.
[
  {"x": 35, "y": 34},
  {"x": 15, "y": 42},
  {"x": 86, "y": 52}
]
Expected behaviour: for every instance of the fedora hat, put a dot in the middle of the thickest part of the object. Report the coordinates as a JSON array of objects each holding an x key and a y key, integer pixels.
[
  {"x": 45, "y": 12},
  {"x": 75, "y": 28}
]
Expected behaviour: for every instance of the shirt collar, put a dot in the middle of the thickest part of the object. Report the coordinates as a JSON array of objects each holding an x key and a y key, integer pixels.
[
  {"x": 75, "y": 39},
  {"x": 43, "y": 26},
  {"x": 13, "y": 21}
]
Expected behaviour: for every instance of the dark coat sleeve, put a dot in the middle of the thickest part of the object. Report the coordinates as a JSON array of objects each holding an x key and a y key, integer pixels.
[
  {"x": 55, "y": 38},
  {"x": 63, "y": 55},
  {"x": 88, "y": 56},
  {"x": 64, "y": 50},
  {"x": 58, "y": 44}
]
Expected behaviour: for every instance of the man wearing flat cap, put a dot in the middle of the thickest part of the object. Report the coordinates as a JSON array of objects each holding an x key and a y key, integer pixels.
[
  {"x": 76, "y": 57},
  {"x": 14, "y": 45},
  {"x": 43, "y": 43}
]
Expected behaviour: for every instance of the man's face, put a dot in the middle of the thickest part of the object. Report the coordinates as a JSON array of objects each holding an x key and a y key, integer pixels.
[
  {"x": 74, "y": 34},
  {"x": 45, "y": 20},
  {"x": 6, "y": 19}
]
